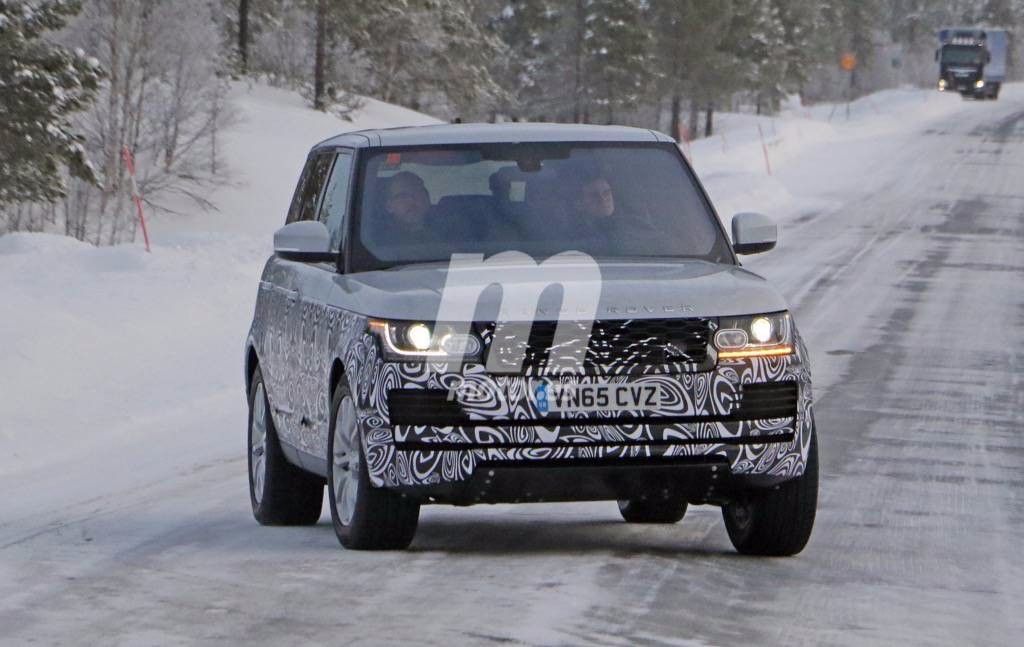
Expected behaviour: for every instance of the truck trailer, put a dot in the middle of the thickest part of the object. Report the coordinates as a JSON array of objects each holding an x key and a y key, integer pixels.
[{"x": 972, "y": 61}]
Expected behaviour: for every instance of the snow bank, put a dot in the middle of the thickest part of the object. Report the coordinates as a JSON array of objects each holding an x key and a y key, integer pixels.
[{"x": 732, "y": 166}]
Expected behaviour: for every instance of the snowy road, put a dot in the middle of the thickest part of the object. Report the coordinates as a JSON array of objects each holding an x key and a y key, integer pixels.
[{"x": 910, "y": 294}]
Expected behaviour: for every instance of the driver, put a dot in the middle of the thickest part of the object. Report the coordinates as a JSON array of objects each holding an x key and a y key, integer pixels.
[
  {"x": 407, "y": 202},
  {"x": 595, "y": 201}
]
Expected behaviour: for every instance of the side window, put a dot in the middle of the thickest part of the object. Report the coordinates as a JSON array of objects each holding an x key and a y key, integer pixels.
[
  {"x": 293, "y": 209},
  {"x": 335, "y": 203},
  {"x": 311, "y": 184}
]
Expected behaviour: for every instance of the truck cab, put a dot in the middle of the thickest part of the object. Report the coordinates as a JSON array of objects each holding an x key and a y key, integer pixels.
[{"x": 972, "y": 61}]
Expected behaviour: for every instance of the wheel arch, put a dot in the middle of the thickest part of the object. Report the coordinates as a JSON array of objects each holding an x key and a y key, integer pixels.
[{"x": 337, "y": 372}]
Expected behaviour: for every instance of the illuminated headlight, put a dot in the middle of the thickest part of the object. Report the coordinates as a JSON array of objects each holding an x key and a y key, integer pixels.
[
  {"x": 404, "y": 341},
  {"x": 980, "y": 83},
  {"x": 942, "y": 84},
  {"x": 767, "y": 335}
]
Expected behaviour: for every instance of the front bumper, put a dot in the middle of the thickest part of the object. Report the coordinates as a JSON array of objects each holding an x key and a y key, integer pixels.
[{"x": 700, "y": 426}]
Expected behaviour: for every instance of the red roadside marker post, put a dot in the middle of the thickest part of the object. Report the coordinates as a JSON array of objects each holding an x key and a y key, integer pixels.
[{"x": 129, "y": 163}]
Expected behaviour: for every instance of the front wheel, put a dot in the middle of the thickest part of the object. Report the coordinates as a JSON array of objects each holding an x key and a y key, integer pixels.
[
  {"x": 364, "y": 517},
  {"x": 778, "y": 521}
]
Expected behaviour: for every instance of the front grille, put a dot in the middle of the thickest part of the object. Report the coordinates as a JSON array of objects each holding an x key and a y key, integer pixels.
[
  {"x": 615, "y": 346},
  {"x": 768, "y": 400}
]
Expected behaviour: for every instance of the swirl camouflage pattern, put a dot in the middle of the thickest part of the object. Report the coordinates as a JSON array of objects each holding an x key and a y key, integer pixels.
[{"x": 503, "y": 423}]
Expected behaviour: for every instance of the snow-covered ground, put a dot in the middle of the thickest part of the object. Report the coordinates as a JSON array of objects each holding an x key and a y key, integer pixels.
[
  {"x": 112, "y": 348},
  {"x": 121, "y": 390}
]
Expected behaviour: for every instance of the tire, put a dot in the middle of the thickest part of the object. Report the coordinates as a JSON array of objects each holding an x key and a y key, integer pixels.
[
  {"x": 281, "y": 493},
  {"x": 778, "y": 521},
  {"x": 653, "y": 510},
  {"x": 364, "y": 517}
]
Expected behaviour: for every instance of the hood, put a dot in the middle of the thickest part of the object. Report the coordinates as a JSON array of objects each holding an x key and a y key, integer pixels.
[{"x": 627, "y": 290}]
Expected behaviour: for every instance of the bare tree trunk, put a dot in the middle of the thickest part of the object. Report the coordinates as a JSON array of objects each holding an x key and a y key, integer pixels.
[
  {"x": 577, "y": 92},
  {"x": 111, "y": 125},
  {"x": 391, "y": 69},
  {"x": 676, "y": 121},
  {"x": 214, "y": 127},
  {"x": 319, "y": 55},
  {"x": 611, "y": 113},
  {"x": 694, "y": 118},
  {"x": 243, "y": 36},
  {"x": 708, "y": 123}
]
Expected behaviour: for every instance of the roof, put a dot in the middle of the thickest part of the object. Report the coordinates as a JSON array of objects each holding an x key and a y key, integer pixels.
[{"x": 490, "y": 134}]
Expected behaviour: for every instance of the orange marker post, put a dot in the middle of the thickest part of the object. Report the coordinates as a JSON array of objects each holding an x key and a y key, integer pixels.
[{"x": 129, "y": 163}]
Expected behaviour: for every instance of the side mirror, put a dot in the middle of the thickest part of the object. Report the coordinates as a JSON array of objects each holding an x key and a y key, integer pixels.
[
  {"x": 306, "y": 241},
  {"x": 753, "y": 233}
]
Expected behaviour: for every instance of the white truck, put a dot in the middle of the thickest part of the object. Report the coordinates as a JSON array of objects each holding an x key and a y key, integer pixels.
[{"x": 972, "y": 61}]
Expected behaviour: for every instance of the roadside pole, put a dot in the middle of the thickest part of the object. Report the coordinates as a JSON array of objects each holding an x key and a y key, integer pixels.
[
  {"x": 848, "y": 62},
  {"x": 129, "y": 163},
  {"x": 684, "y": 136},
  {"x": 764, "y": 148}
]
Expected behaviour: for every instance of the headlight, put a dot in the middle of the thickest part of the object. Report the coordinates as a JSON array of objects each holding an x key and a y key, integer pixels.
[
  {"x": 765, "y": 335},
  {"x": 404, "y": 341},
  {"x": 942, "y": 84},
  {"x": 980, "y": 83}
]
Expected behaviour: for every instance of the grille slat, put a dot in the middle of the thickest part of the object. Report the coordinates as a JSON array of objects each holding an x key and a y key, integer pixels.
[{"x": 769, "y": 400}]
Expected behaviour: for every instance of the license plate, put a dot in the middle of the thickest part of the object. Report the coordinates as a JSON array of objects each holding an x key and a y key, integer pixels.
[{"x": 559, "y": 397}]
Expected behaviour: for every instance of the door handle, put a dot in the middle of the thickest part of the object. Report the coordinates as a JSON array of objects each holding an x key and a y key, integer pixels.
[{"x": 292, "y": 295}]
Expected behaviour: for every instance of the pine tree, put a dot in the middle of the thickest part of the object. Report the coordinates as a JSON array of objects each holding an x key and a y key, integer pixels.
[
  {"x": 422, "y": 48},
  {"x": 753, "y": 52},
  {"x": 617, "y": 44},
  {"x": 803, "y": 31},
  {"x": 531, "y": 74},
  {"x": 690, "y": 60},
  {"x": 41, "y": 85}
]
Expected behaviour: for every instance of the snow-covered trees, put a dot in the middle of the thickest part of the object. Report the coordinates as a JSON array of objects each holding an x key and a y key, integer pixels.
[
  {"x": 529, "y": 29},
  {"x": 652, "y": 63},
  {"x": 41, "y": 85},
  {"x": 423, "y": 52},
  {"x": 618, "y": 51},
  {"x": 163, "y": 98},
  {"x": 426, "y": 54}
]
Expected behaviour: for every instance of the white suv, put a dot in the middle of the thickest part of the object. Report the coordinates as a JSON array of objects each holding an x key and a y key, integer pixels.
[{"x": 508, "y": 313}]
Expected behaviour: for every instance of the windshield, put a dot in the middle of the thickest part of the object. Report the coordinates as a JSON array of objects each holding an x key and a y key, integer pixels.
[
  {"x": 611, "y": 201},
  {"x": 962, "y": 55}
]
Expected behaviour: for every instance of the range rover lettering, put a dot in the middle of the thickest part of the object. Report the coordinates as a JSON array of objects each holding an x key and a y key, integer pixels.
[{"x": 468, "y": 314}]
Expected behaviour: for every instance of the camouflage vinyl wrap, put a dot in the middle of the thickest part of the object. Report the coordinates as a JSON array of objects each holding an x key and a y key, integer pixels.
[{"x": 297, "y": 355}]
